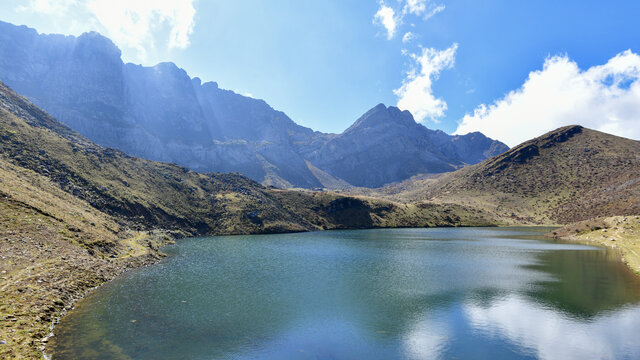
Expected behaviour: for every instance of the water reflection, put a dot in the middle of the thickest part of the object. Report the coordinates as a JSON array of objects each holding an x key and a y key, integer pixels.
[
  {"x": 427, "y": 338},
  {"x": 550, "y": 334},
  {"x": 584, "y": 283},
  {"x": 374, "y": 294}
]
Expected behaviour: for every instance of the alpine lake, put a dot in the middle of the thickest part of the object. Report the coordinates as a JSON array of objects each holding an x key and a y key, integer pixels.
[{"x": 441, "y": 293}]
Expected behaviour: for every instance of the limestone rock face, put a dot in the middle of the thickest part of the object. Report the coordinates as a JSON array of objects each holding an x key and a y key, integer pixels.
[{"x": 160, "y": 113}]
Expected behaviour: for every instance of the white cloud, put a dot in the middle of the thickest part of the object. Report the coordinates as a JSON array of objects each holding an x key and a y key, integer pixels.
[
  {"x": 416, "y": 94},
  {"x": 391, "y": 19},
  {"x": 604, "y": 97},
  {"x": 140, "y": 25},
  {"x": 408, "y": 36},
  {"x": 434, "y": 10},
  {"x": 416, "y": 7},
  {"x": 387, "y": 18},
  {"x": 419, "y": 7},
  {"x": 51, "y": 7},
  {"x": 134, "y": 22}
]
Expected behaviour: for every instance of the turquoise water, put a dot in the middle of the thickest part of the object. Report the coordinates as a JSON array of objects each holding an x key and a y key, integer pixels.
[{"x": 455, "y": 293}]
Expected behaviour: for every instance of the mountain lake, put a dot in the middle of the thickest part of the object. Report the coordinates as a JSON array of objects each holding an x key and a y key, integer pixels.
[{"x": 441, "y": 293}]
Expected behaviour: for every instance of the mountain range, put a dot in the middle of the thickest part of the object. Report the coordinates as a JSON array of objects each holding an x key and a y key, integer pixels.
[{"x": 161, "y": 113}]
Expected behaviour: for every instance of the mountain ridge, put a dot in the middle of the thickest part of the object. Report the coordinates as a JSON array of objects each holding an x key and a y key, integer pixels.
[{"x": 161, "y": 113}]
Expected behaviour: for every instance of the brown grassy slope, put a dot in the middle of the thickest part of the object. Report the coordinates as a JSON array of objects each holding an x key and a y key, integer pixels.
[
  {"x": 335, "y": 211},
  {"x": 53, "y": 248},
  {"x": 566, "y": 175},
  {"x": 139, "y": 193}
]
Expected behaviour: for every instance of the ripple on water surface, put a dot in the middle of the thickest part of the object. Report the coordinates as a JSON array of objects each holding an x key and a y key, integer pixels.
[{"x": 366, "y": 294}]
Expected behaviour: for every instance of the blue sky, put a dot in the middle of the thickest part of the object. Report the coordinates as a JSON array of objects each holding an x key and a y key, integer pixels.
[{"x": 468, "y": 65}]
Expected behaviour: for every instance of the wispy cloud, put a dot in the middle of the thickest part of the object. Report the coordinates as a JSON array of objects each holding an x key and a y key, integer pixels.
[
  {"x": 416, "y": 93},
  {"x": 391, "y": 19},
  {"x": 434, "y": 10},
  {"x": 408, "y": 36},
  {"x": 422, "y": 7},
  {"x": 604, "y": 97},
  {"x": 141, "y": 25}
]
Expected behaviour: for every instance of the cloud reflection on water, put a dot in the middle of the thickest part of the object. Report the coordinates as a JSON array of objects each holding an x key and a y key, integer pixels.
[{"x": 553, "y": 335}]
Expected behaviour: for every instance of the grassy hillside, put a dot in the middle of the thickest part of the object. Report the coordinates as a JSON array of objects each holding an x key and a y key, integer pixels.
[
  {"x": 53, "y": 248},
  {"x": 139, "y": 193},
  {"x": 74, "y": 214},
  {"x": 566, "y": 175}
]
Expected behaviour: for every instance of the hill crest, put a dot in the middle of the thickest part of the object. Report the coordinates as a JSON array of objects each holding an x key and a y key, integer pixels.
[{"x": 567, "y": 175}]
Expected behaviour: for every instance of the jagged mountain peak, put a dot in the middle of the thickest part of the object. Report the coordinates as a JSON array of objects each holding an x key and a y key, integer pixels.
[
  {"x": 386, "y": 145},
  {"x": 383, "y": 116},
  {"x": 197, "y": 82}
]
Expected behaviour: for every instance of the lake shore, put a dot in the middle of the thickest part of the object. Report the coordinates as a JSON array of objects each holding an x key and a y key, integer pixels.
[
  {"x": 324, "y": 292},
  {"x": 38, "y": 290},
  {"x": 621, "y": 233},
  {"x": 43, "y": 276}
]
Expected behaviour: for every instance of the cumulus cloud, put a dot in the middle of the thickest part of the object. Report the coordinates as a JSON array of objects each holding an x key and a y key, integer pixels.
[
  {"x": 140, "y": 25},
  {"x": 604, "y": 97},
  {"x": 386, "y": 17},
  {"x": 134, "y": 22},
  {"x": 416, "y": 94}
]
